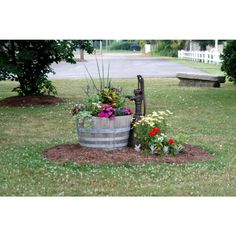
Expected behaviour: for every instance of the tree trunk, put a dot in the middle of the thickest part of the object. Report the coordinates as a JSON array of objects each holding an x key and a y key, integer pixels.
[{"x": 82, "y": 54}]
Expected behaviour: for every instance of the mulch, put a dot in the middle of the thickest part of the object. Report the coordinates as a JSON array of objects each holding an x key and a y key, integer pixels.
[
  {"x": 17, "y": 101},
  {"x": 83, "y": 155}
]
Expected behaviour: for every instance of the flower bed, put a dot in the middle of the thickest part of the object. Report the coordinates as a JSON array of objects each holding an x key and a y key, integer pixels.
[{"x": 152, "y": 138}]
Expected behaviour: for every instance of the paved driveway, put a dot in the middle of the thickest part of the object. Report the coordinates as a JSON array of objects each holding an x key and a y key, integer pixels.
[{"x": 122, "y": 66}]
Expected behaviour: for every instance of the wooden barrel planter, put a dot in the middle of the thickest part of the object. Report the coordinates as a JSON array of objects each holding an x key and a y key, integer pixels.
[{"x": 106, "y": 133}]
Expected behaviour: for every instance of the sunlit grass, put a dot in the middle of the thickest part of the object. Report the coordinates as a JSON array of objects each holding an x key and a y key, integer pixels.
[
  {"x": 205, "y": 67},
  {"x": 205, "y": 115}
]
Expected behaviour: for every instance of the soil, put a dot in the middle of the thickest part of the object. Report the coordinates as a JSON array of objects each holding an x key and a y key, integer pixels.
[
  {"x": 82, "y": 155},
  {"x": 17, "y": 101}
]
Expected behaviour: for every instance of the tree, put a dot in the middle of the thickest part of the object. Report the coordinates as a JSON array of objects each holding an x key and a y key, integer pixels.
[
  {"x": 84, "y": 45},
  {"x": 204, "y": 43},
  {"x": 229, "y": 60},
  {"x": 28, "y": 62},
  {"x": 170, "y": 47}
]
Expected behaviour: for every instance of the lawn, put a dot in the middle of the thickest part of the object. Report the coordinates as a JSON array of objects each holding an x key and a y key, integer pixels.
[
  {"x": 205, "y": 115},
  {"x": 209, "y": 68}
]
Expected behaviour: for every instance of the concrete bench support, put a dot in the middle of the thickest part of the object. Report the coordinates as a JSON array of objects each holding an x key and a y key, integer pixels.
[{"x": 198, "y": 80}]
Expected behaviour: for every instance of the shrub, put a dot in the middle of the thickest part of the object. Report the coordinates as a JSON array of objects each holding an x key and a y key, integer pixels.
[
  {"x": 229, "y": 61},
  {"x": 169, "y": 47},
  {"x": 121, "y": 45},
  {"x": 29, "y": 62}
]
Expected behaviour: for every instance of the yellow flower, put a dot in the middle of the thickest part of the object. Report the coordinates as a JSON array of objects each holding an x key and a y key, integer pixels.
[{"x": 169, "y": 112}]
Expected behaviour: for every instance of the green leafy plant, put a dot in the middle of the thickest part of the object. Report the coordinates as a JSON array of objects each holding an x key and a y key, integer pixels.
[
  {"x": 84, "y": 119},
  {"x": 150, "y": 133},
  {"x": 122, "y": 45},
  {"x": 29, "y": 61},
  {"x": 103, "y": 101},
  {"x": 92, "y": 103},
  {"x": 229, "y": 60},
  {"x": 112, "y": 97},
  {"x": 169, "y": 47}
]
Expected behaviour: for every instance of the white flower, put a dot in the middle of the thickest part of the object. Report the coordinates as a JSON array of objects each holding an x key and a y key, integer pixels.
[
  {"x": 137, "y": 148},
  {"x": 165, "y": 149},
  {"x": 160, "y": 138}
]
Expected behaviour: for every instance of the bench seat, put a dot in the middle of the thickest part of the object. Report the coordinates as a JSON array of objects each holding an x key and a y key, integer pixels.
[{"x": 200, "y": 80}]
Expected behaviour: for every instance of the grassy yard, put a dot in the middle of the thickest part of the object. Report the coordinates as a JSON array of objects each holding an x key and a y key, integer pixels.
[
  {"x": 209, "y": 68},
  {"x": 206, "y": 115}
]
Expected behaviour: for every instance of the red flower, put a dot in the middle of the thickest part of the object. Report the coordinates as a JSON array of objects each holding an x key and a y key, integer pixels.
[
  {"x": 154, "y": 131},
  {"x": 171, "y": 141}
]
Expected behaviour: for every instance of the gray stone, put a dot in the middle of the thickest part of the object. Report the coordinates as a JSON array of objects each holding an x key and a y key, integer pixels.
[{"x": 200, "y": 80}]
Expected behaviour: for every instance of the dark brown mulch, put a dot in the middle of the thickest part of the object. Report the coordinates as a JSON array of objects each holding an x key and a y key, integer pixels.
[
  {"x": 17, "y": 101},
  {"x": 82, "y": 155}
]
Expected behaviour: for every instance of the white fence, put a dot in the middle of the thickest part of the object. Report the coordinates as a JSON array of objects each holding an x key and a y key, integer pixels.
[{"x": 202, "y": 56}]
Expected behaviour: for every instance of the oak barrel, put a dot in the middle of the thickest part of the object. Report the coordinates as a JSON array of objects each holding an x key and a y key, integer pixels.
[{"x": 106, "y": 133}]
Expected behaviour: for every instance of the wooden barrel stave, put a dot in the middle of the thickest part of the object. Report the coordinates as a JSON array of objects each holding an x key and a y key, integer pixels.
[{"x": 106, "y": 133}]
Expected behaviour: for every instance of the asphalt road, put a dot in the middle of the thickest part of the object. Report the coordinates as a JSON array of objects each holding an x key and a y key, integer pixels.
[{"x": 121, "y": 66}]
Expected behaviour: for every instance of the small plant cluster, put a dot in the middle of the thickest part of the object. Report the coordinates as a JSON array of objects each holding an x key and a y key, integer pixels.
[
  {"x": 103, "y": 100},
  {"x": 151, "y": 131},
  {"x": 107, "y": 103}
]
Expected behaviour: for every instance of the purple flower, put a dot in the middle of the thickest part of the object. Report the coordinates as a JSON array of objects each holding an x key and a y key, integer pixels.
[{"x": 126, "y": 111}]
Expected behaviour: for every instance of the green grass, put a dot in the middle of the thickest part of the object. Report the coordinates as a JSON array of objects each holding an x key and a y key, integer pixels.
[
  {"x": 209, "y": 68},
  {"x": 205, "y": 115}
]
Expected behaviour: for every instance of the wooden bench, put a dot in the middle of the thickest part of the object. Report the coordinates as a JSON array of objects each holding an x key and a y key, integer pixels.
[{"x": 200, "y": 80}]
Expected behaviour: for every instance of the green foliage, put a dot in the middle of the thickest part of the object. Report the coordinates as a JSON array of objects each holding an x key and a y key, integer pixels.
[
  {"x": 84, "y": 119},
  {"x": 28, "y": 62},
  {"x": 229, "y": 60},
  {"x": 150, "y": 133},
  {"x": 92, "y": 104},
  {"x": 169, "y": 47},
  {"x": 143, "y": 126},
  {"x": 104, "y": 100},
  {"x": 121, "y": 45},
  {"x": 204, "y": 43},
  {"x": 84, "y": 45},
  {"x": 112, "y": 97}
]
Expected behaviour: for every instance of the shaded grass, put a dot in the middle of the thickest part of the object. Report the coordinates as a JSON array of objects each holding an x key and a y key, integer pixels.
[{"x": 205, "y": 115}]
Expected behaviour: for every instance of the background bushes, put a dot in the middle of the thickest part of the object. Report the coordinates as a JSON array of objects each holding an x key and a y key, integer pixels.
[{"x": 122, "y": 45}]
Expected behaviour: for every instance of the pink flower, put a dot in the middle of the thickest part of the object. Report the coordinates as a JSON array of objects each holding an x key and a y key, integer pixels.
[{"x": 107, "y": 112}]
